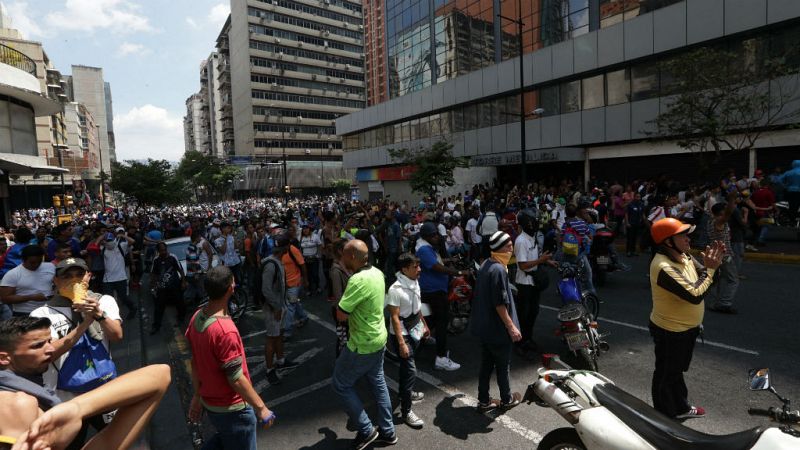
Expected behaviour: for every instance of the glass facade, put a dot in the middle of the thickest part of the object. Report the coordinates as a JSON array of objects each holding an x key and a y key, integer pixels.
[{"x": 642, "y": 81}]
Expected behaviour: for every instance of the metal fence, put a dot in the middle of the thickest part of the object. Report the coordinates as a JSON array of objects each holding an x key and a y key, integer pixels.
[{"x": 17, "y": 59}]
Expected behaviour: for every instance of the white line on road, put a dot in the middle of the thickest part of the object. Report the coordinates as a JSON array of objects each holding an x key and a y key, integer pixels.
[
  {"x": 305, "y": 356},
  {"x": 298, "y": 393},
  {"x": 641, "y": 328},
  {"x": 253, "y": 334},
  {"x": 451, "y": 391}
]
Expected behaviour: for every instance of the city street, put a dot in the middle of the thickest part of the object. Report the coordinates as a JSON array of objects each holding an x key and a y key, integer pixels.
[{"x": 309, "y": 415}]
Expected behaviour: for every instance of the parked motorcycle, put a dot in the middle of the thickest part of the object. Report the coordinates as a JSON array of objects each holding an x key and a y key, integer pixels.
[
  {"x": 600, "y": 255},
  {"x": 577, "y": 317},
  {"x": 460, "y": 296},
  {"x": 604, "y": 417}
]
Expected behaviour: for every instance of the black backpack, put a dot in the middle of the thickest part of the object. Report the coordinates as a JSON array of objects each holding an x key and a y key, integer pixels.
[{"x": 119, "y": 246}]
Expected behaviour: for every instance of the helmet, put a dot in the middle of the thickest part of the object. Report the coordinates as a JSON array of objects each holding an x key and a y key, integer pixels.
[
  {"x": 428, "y": 229},
  {"x": 668, "y": 227},
  {"x": 526, "y": 218}
]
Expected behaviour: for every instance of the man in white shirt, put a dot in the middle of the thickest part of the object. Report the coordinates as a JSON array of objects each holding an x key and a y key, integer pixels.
[
  {"x": 114, "y": 251},
  {"x": 527, "y": 251},
  {"x": 27, "y": 286},
  {"x": 229, "y": 255},
  {"x": 472, "y": 234},
  {"x": 106, "y": 326}
]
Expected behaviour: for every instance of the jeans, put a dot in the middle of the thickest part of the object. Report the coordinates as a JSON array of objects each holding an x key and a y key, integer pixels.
[
  {"x": 726, "y": 281},
  {"x": 495, "y": 357},
  {"x": 119, "y": 290},
  {"x": 165, "y": 297},
  {"x": 738, "y": 255},
  {"x": 349, "y": 368},
  {"x": 527, "y": 302},
  {"x": 236, "y": 430},
  {"x": 673, "y": 356},
  {"x": 587, "y": 285},
  {"x": 5, "y": 312},
  {"x": 762, "y": 234},
  {"x": 294, "y": 310},
  {"x": 441, "y": 318},
  {"x": 407, "y": 373},
  {"x": 195, "y": 292}
]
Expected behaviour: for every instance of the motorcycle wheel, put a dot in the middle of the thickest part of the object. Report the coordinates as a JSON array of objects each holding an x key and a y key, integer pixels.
[
  {"x": 562, "y": 439},
  {"x": 592, "y": 304},
  {"x": 590, "y": 358}
]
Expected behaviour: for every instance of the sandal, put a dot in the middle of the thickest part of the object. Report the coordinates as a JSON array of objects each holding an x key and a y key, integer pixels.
[{"x": 488, "y": 406}]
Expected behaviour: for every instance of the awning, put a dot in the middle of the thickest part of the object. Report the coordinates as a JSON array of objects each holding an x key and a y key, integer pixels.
[{"x": 12, "y": 163}]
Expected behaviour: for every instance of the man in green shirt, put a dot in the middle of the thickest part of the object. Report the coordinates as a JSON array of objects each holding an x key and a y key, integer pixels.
[{"x": 362, "y": 307}]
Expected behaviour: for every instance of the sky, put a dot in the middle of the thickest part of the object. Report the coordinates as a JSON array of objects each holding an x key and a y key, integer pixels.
[{"x": 150, "y": 52}]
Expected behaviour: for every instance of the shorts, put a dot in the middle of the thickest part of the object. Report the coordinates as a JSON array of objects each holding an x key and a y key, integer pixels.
[{"x": 272, "y": 326}]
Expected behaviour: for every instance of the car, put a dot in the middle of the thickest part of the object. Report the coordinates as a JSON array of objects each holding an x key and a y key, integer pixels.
[{"x": 178, "y": 246}]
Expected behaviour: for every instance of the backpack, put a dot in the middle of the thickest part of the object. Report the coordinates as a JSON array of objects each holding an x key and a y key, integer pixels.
[
  {"x": 88, "y": 366},
  {"x": 571, "y": 240}
]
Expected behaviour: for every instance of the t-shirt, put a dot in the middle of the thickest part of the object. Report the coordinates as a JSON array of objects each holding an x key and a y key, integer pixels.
[
  {"x": 60, "y": 325},
  {"x": 114, "y": 261},
  {"x": 489, "y": 224},
  {"x": 492, "y": 289},
  {"x": 429, "y": 279},
  {"x": 471, "y": 228},
  {"x": 363, "y": 301},
  {"x": 526, "y": 249},
  {"x": 29, "y": 282},
  {"x": 294, "y": 276},
  {"x": 216, "y": 343},
  {"x": 404, "y": 294},
  {"x": 231, "y": 256},
  {"x": 74, "y": 246},
  {"x": 310, "y": 245}
]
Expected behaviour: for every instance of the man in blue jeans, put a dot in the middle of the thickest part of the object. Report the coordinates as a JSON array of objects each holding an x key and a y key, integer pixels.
[{"x": 362, "y": 307}]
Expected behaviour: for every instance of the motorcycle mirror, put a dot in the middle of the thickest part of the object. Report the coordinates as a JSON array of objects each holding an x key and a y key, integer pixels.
[{"x": 759, "y": 379}]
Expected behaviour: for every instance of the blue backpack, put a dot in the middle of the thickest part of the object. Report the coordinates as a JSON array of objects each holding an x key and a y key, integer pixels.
[{"x": 87, "y": 366}]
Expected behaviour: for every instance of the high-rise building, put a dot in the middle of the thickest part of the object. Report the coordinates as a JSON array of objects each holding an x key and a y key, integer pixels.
[
  {"x": 450, "y": 70},
  {"x": 82, "y": 157},
  {"x": 196, "y": 124},
  {"x": 87, "y": 86}
]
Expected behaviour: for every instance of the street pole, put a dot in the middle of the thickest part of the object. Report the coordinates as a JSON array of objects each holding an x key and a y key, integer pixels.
[
  {"x": 522, "y": 150},
  {"x": 285, "y": 178}
]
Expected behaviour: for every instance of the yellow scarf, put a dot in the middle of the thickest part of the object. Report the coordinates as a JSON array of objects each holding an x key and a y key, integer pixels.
[{"x": 502, "y": 258}]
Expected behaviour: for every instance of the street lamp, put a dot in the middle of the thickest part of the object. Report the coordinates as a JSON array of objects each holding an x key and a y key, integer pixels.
[{"x": 520, "y": 24}]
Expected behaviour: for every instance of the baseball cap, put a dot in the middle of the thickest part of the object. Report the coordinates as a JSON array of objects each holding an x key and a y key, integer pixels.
[
  {"x": 110, "y": 237},
  {"x": 70, "y": 263},
  {"x": 119, "y": 229}
]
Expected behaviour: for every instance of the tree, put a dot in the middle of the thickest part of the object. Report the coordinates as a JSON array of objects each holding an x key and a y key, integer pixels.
[
  {"x": 153, "y": 182},
  {"x": 197, "y": 171},
  {"x": 725, "y": 100},
  {"x": 434, "y": 166},
  {"x": 340, "y": 184}
]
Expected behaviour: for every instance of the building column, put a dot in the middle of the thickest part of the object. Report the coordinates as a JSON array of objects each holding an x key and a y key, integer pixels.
[
  {"x": 586, "y": 171},
  {"x": 752, "y": 162}
]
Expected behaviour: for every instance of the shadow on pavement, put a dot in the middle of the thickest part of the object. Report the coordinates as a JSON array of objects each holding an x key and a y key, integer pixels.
[
  {"x": 460, "y": 421},
  {"x": 329, "y": 440}
]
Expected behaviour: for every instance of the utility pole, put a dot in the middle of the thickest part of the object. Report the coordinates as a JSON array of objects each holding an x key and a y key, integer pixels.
[
  {"x": 522, "y": 114},
  {"x": 285, "y": 178}
]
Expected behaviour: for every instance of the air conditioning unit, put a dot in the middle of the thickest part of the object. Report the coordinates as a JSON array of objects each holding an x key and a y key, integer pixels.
[
  {"x": 277, "y": 40},
  {"x": 347, "y": 67},
  {"x": 327, "y": 33},
  {"x": 274, "y": 84},
  {"x": 325, "y": 44},
  {"x": 361, "y": 27},
  {"x": 280, "y": 55},
  {"x": 341, "y": 80},
  {"x": 314, "y": 76},
  {"x": 363, "y": 56},
  {"x": 327, "y": 2},
  {"x": 299, "y": 43}
]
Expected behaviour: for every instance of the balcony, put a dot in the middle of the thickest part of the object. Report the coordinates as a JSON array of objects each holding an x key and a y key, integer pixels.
[
  {"x": 18, "y": 80},
  {"x": 17, "y": 59}
]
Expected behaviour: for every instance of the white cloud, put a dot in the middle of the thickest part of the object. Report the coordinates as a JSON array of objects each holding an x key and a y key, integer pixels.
[
  {"x": 121, "y": 16},
  {"x": 127, "y": 49},
  {"x": 21, "y": 20},
  {"x": 192, "y": 23},
  {"x": 149, "y": 131},
  {"x": 219, "y": 14}
]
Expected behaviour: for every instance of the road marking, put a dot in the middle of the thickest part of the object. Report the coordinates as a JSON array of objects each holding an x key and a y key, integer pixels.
[
  {"x": 641, "y": 328},
  {"x": 254, "y": 334},
  {"x": 305, "y": 356},
  {"x": 298, "y": 393},
  {"x": 451, "y": 391}
]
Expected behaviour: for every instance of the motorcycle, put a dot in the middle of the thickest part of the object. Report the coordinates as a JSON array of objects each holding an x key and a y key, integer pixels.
[
  {"x": 600, "y": 254},
  {"x": 460, "y": 295},
  {"x": 577, "y": 317},
  {"x": 603, "y": 416}
]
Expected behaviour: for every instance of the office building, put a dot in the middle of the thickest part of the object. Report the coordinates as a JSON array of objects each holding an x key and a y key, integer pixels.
[
  {"x": 449, "y": 70},
  {"x": 196, "y": 124},
  {"x": 87, "y": 86}
]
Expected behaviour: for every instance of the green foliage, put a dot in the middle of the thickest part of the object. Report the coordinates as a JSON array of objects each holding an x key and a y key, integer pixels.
[
  {"x": 153, "y": 182},
  {"x": 725, "y": 100},
  {"x": 435, "y": 166},
  {"x": 197, "y": 170},
  {"x": 340, "y": 184}
]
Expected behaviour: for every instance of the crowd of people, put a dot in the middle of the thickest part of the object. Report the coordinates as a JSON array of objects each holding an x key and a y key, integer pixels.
[{"x": 379, "y": 264}]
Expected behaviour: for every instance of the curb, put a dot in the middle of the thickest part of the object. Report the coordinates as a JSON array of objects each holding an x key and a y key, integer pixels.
[{"x": 772, "y": 258}]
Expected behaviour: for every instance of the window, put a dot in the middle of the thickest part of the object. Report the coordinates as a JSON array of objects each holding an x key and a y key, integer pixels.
[
  {"x": 549, "y": 100},
  {"x": 644, "y": 81},
  {"x": 618, "y": 87},
  {"x": 570, "y": 96},
  {"x": 593, "y": 91}
]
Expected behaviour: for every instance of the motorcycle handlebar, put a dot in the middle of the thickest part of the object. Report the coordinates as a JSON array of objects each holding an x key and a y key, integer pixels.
[{"x": 759, "y": 412}]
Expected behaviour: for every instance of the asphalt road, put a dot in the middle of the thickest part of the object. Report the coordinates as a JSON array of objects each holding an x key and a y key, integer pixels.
[{"x": 309, "y": 416}]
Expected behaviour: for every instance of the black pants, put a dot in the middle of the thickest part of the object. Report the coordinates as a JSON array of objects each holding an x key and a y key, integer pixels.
[
  {"x": 312, "y": 265},
  {"x": 165, "y": 297},
  {"x": 408, "y": 372},
  {"x": 631, "y": 237},
  {"x": 794, "y": 202},
  {"x": 495, "y": 358},
  {"x": 441, "y": 317},
  {"x": 527, "y": 302},
  {"x": 673, "y": 356}
]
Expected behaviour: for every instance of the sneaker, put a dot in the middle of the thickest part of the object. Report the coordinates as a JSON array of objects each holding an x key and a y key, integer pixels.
[
  {"x": 750, "y": 248},
  {"x": 287, "y": 364},
  {"x": 515, "y": 400},
  {"x": 413, "y": 421},
  {"x": 445, "y": 363},
  {"x": 387, "y": 439},
  {"x": 693, "y": 413},
  {"x": 417, "y": 397},
  {"x": 363, "y": 440},
  {"x": 488, "y": 406},
  {"x": 272, "y": 377}
]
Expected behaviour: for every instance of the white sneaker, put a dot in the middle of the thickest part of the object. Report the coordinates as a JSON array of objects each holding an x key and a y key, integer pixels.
[
  {"x": 413, "y": 420},
  {"x": 445, "y": 363}
]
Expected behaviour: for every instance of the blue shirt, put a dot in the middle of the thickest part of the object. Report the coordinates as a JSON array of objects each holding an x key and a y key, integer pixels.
[
  {"x": 492, "y": 290},
  {"x": 429, "y": 279}
]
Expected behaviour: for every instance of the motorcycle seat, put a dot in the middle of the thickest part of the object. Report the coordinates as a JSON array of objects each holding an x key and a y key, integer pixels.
[{"x": 665, "y": 433}]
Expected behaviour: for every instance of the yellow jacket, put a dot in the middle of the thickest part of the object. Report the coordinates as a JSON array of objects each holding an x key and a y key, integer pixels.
[{"x": 678, "y": 288}]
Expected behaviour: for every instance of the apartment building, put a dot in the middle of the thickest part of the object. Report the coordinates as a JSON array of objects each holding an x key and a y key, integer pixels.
[
  {"x": 450, "y": 70},
  {"x": 87, "y": 86},
  {"x": 196, "y": 124}
]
